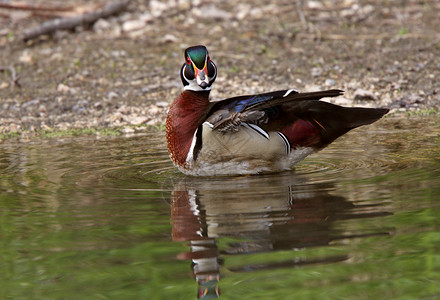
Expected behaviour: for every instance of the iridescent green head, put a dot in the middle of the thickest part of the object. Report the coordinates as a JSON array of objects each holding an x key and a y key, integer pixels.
[{"x": 198, "y": 72}]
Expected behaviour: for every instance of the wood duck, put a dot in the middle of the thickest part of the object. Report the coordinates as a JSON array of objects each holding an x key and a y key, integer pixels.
[{"x": 250, "y": 134}]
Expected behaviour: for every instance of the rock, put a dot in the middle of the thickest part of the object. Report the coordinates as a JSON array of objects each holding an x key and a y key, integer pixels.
[
  {"x": 311, "y": 4},
  {"x": 42, "y": 108},
  {"x": 62, "y": 88},
  {"x": 395, "y": 86},
  {"x": 101, "y": 25},
  {"x": 112, "y": 95},
  {"x": 137, "y": 120},
  {"x": 340, "y": 101},
  {"x": 124, "y": 109},
  {"x": 46, "y": 51},
  {"x": 316, "y": 72},
  {"x": 19, "y": 15},
  {"x": 146, "y": 17},
  {"x": 353, "y": 84},
  {"x": 30, "y": 103},
  {"x": 127, "y": 130},
  {"x": 80, "y": 106},
  {"x": 256, "y": 13},
  {"x": 26, "y": 57},
  {"x": 242, "y": 11},
  {"x": 153, "y": 122},
  {"x": 169, "y": 38},
  {"x": 115, "y": 118},
  {"x": 158, "y": 7},
  {"x": 153, "y": 110},
  {"x": 211, "y": 12},
  {"x": 72, "y": 91},
  {"x": 132, "y": 25},
  {"x": 162, "y": 104},
  {"x": 118, "y": 53},
  {"x": 364, "y": 95},
  {"x": 411, "y": 100},
  {"x": 329, "y": 82}
]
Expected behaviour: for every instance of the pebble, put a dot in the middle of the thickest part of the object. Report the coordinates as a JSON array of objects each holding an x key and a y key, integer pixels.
[
  {"x": 329, "y": 82},
  {"x": 80, "y": 107},
  {"x": 98, "y": 105},
  {"x": 412, "y": 99},
  {"x": 211, "y": 12},
  {"x": 169, "y": 38},
  {"x": 316, "y": 72},
  {"x": 242, "y": 11},
  {"x": 146, "y": 17},
  {"x": 158, "y": 7},
  {"x": 137, "y": 120},
  {"x": 62, "y": 88},
  {"x": 132, "y": 25},
  {"x": 311, "y": 4},
  {"x": 162, "y": 104},
  {"x": 101, "y": 25},
  {"x": 128, "y": 130},
  {"x": 26, "y": 57},
  {"x": 363, "y": 95},
  {"x": 30, "y": 103},
  {"x": 112, "y": 95}
]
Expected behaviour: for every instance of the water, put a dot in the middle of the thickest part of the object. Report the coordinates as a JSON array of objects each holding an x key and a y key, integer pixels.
[{"x": 110, "y": 218}]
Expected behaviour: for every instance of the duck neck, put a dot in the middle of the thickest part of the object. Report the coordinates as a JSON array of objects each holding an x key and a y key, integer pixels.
[{"x": 184, "y": 117}]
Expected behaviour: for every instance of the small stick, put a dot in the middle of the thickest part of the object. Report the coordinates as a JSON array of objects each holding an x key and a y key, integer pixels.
[
  {"x": 302, "y": 17},
  {"x": 70, "y": 23},
  {"x": 14, "y": 76},
  {"x": 25, "y": 6},
  {"x": 306, "y": 24}
]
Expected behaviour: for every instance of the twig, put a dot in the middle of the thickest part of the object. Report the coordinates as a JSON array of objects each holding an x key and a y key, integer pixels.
[
  {"x": 72, "y": 22},
  {"x": 302, "y": 17},
  {"x": 14, "y": 76},
  {"x": 306, "y": 24},
  {"x": 427, "y": 46},
  {"x": 2, "y": 15},
  {"x": 25, "y": 6}
]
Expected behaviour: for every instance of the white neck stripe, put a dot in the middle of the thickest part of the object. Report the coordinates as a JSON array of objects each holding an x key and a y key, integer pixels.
[{"x": 195, "y": 88}]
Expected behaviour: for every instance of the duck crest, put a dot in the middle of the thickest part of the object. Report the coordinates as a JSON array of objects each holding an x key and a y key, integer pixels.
[{"x": 184, "y": 117}]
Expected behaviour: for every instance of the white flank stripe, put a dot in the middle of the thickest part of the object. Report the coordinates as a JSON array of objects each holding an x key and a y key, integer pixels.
[
  {"x": 189, "y": 157},
  {"x": 257, "y": 129},
  {"x": 288, "y": 92},
  {"x": 286, "y": 141}
]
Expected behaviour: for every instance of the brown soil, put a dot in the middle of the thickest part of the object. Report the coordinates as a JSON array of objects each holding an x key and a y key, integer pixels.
[{"x": 124, "y": 70}]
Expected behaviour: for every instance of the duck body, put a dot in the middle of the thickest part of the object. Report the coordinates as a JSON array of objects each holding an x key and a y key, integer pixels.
[{"x": 251, "y": 134}]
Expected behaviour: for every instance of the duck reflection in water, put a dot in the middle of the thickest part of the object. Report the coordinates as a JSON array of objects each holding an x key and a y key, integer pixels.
[{"x": 268, "y": 213}]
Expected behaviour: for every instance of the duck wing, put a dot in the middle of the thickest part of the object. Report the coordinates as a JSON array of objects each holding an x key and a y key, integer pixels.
[
  {"x": 300, "y": 117},
  {"x": 228, "y": 114}
]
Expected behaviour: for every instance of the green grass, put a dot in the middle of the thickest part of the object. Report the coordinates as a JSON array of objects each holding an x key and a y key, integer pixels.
[{"x": 73, "y": 132}]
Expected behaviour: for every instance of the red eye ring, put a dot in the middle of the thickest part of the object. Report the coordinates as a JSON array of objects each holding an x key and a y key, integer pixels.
[
  {"x": 209, "y": 58},
  {"x": 188, "y": 60}
]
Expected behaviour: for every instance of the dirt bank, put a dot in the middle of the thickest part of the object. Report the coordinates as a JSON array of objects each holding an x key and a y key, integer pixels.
[{"x": 123, "y": 71}]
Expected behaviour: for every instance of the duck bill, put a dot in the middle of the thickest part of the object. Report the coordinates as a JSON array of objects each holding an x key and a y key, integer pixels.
[{"x": 202, "y": 78}]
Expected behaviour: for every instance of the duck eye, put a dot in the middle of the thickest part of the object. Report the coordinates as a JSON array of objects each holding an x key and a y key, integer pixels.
[
  {"x": 209, "y": 58},
  {"x": 188, "y": 60}
]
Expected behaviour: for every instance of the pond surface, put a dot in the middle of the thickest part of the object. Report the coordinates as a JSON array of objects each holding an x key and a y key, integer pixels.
[{"x": 111, "y": 218}]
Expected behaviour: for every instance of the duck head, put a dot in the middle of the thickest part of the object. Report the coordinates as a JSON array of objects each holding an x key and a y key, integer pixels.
[{"x": 198, "y": 73}]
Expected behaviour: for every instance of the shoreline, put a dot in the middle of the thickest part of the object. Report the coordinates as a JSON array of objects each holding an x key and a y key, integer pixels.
[{"x": 128, "y": 130}]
